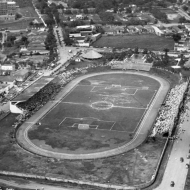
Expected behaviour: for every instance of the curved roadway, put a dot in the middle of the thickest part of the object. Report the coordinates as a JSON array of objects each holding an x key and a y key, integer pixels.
[{"x": 138, "y": 138}]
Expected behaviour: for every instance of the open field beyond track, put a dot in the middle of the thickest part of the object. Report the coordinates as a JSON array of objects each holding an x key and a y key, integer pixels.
[{"x": 149, "y": 41}]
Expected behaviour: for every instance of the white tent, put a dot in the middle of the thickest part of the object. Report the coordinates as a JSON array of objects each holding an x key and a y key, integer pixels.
[{"x": 91, "y": 55}]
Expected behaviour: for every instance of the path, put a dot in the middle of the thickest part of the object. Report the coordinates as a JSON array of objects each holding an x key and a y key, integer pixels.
[
  {"x": 139, "y": 137},
  {"x": 33, "y": 185}
]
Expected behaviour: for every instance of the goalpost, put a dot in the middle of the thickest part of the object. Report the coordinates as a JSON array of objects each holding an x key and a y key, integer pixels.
[
  {"x": 116, "y": 85},
  {"x": 83, "y": 126}
]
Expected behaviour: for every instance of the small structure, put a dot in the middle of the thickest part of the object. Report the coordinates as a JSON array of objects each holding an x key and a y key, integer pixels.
[
  {"x": 21, "y": 75},
  {"x": 91, "y": 55},
  {"x": 158, "y": 31}
]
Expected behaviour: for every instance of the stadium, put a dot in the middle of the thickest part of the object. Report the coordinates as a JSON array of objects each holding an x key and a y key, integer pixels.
[
  {"x": 100, "y": 111},
  {"x": 112, "y": 124}
]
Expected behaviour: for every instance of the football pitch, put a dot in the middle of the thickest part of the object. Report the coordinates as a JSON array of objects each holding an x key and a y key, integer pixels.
[
  {"x": 99, "y": 113},
  {"x": 149, "y": 41}
]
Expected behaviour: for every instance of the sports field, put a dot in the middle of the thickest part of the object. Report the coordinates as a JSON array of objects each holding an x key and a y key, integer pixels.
[
  {"x": 149, "y": 41},
  {"x": 100, "y": 113}
]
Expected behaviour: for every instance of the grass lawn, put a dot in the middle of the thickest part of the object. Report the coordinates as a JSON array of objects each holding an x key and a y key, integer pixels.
[
  {"x": 28, "y": 12},
  {"x": 149, "y": 41},
  {"x": 16, "y": 25}
]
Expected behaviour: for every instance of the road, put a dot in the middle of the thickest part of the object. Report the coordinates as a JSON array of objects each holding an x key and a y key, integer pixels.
[
  {"x": 33, "y": 185},
  {"x": 183, "y": 13},
  {"x": 175, "y": 170}
]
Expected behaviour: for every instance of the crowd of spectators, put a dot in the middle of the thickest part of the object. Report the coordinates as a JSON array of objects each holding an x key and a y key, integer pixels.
[
  {"x": 169, "y": 110},
  {"x": 40, "y": 98}
]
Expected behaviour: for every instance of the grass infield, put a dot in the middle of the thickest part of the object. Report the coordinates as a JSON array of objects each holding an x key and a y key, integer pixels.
[{"x": 112, "y": 105}]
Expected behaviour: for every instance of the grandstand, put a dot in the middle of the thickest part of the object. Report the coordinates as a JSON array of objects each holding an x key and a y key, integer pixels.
[
  {"x": 28, "y": 93},
  {"x": 135, "y": 62}
]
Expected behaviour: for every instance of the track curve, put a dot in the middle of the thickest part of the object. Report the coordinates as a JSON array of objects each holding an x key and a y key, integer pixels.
[{"x": 139, "y": 137}]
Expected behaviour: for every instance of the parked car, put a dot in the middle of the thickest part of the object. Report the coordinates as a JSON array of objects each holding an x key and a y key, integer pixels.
[{"x": 172, "y": 183}]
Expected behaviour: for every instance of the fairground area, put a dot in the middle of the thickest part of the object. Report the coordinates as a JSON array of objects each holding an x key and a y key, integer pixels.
[
  {"x": 149, "y": 41},
  {"x": 100, "y": 113}
]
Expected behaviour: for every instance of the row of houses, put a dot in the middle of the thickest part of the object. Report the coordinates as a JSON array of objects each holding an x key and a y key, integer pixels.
[
  {"x": 112, "y": 29},
  {"x": 36, "y": 44}
]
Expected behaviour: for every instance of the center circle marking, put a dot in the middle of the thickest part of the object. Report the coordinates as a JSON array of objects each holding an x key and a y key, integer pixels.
[{"x": 102, "y": 105}]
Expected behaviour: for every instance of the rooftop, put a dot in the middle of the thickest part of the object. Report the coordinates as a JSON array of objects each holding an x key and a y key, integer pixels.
[
  {"x": 21, "y": 72},
  {"x": 33, "y": 89}
]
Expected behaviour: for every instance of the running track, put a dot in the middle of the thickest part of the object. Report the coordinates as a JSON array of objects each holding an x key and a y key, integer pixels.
[{"x": 139, "y": 137}]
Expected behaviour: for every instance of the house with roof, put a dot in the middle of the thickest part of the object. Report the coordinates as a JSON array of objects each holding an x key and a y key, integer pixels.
[
  {"x": 21, "y": 75},
  {"x": 38, "y": 50},
  {"x": 131, "y": 29},
  {"x": 176, "y": 29},
  {"x": 112, "y": 29},
  {"x": 158, "y": 31},
  {"x": 149, "y": 28},
  {"x": 139, "y": 28},
  {"x": 187, "y": 26}
]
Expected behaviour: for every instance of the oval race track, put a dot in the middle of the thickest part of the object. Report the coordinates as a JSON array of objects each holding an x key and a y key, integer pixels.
[{"x": 139, "y": 137}]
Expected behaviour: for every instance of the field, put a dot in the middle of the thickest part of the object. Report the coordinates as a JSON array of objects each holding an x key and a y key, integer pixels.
[
  {"x": 28, "y": 12},
  {"x": 149, "y": 41},
  {"x": 17, "y": 25},
  {"x": 111, "y": 105}
]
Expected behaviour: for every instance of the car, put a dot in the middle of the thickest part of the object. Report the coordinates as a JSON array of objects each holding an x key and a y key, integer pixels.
[
  {"x": 188, "y": 156},
  {"x": 181, "y": 159},
  {"x": 187, "y": 166},
  {"x": 172, "y": 183}
]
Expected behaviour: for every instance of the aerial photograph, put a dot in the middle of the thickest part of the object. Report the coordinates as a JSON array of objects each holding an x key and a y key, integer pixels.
[{"x": 94, "y": 94}]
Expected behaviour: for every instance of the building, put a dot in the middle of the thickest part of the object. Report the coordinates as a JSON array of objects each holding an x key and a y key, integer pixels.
[
  {"x": 6, "y": 69},
  {"x": 8, "y": 10},
  {"x": 21, "y": 75},
  {"x": 81, "y": 16},
  {"x": 158, "y": 31},
  {"x": 112, "y": 29},
  {"x": 28, "y": 93},
  {"x": 91, "y": 55}
]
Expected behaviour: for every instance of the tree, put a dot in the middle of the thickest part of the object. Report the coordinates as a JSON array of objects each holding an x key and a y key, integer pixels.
[
  {"x": 145, "y": 51},
  {"x": 17, "y": 16},
  {"x": 166, "y": 50},
  {"x": 85, "y": 11},
  {"x": 176, "y": 37},
  {"x": 182, "y": 20},
  {"x": 136, "y": 50},
  {"x": 185, "y": 8},
  {"x": 67, "y": 11},
  {"x": 106, "y": 16}
]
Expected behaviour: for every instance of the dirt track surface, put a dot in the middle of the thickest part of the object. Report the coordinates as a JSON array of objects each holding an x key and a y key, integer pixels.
[{"x": 138, "y": 138}]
